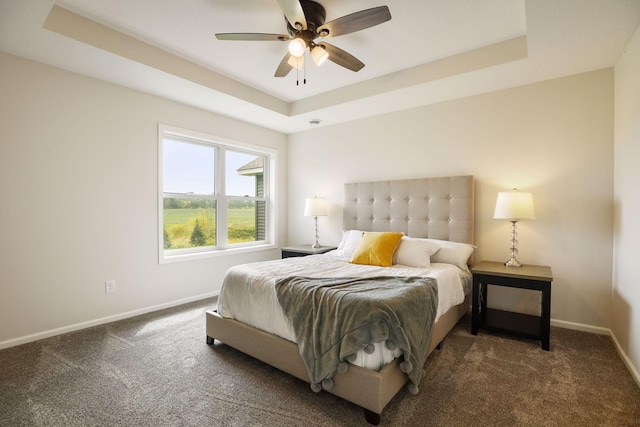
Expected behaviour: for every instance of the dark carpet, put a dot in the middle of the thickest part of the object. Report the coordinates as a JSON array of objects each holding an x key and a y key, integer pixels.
[{"x": 157, "y": 370}]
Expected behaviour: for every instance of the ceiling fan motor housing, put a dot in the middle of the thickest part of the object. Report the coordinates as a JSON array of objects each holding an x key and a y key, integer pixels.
[{"x": 315, "y": 15}]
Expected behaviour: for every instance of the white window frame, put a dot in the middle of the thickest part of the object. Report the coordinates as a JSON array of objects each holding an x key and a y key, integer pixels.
[{"x": 221, "y": 145}]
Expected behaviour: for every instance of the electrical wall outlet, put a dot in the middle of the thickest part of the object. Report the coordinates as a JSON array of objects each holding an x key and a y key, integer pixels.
[{"x": 110, "y": 286}]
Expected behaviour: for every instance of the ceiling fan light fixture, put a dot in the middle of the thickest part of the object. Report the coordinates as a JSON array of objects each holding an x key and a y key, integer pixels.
[
  {"x": 296, "y": 61},
  {"x": 297, "y": 47},
  {"x": 319, "y": 55}
]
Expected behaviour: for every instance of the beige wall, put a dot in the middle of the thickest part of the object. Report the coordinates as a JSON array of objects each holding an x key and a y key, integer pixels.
[
  {"x": 78, "y": 196},
  {"x": 626, "y": 285},
  {"x": 554, "y": 139}
]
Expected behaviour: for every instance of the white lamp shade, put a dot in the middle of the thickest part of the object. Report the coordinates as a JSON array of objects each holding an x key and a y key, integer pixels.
[
  {"x": 315, "y": 207},
  {"x": 514, "y": 205},
  {"x": 297, "y": 47},
  {"x": 319, "y": 55},
  {"x": 296, "y": 61}
]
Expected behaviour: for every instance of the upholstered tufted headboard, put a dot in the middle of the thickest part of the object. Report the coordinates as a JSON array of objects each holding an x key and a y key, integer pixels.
[{"x": 437, "y": 208}]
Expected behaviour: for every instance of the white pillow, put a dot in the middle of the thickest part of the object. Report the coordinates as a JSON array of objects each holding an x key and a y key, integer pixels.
[
  {"x": 414, "y": 252},
  {"x": 454, "y": 253},
  {"x": 349, "y": 243}
]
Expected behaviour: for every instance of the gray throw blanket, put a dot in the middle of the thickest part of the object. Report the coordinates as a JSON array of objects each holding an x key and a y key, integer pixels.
[{"x": 333, "y": 318}]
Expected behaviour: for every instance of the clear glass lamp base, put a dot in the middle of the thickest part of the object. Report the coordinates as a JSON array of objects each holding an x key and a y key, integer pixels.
[{"x": 513, "y": 263}]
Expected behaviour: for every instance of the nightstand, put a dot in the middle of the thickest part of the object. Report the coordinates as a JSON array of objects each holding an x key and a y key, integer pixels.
[
  {"x": 304, "y": 250},
  {"x": 532, "y": 277}
]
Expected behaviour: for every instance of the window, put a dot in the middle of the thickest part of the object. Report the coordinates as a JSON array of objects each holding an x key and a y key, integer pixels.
[{"x": 215, "y": 195}]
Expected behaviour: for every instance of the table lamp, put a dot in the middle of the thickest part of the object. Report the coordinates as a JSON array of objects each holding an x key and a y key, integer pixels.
[
  {"x": 315, "y": 207},
  {"x": 514, "y": 206}
]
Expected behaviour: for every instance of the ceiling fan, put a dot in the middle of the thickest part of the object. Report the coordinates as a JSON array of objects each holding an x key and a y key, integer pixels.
[{"x": 305, "y": 23}]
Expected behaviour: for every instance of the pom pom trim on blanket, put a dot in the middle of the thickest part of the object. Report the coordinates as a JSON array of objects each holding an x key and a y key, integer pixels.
[{"x": 334, "y": 318}]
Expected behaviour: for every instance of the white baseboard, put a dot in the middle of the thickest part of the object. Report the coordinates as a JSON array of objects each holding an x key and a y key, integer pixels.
[
  {"x": 601, "y": 331},
  {"x": 580, "y": 327},
  {"x": 626, "y": 360},
  {"x": 95, "y": 322}
]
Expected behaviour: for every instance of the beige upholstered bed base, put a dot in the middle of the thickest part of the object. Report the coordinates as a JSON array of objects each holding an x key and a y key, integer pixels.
[{"x": 369, "y": 389}]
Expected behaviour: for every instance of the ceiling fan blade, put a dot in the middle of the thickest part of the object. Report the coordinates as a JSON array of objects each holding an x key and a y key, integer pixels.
[
  {"x": 355, "y": 22},
  {"x": 292, "y": 9},
  {"x": 284, "y": 67},
  {"x": 252, "y": 37},
  {"x": 342, "y": 58}
]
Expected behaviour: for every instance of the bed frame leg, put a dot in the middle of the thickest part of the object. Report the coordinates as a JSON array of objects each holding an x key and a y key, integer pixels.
[
  {"x": 372, "y": 417},
  {"x": 210, "y": 340}
]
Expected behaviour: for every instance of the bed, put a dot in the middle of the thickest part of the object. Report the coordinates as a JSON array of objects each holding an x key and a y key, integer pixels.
[{"x": 439, "y": 211}]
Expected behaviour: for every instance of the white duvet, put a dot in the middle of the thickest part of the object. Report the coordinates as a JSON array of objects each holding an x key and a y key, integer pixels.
[{"x": 248, "y": 292}]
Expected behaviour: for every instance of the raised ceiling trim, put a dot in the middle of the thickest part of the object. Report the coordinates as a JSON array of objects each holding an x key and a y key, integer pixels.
[
  {"x": 85, "y": 30},
  {"x": 484, "y": 57},
  {"x": 70, "y": 24}
]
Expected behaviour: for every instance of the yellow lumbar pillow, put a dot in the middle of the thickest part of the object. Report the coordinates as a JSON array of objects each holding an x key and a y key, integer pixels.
[{"x": 376, "y": 248}]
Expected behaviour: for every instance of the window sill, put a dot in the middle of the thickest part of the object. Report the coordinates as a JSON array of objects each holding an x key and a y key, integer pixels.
[{"x": 168, "y": 259}]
